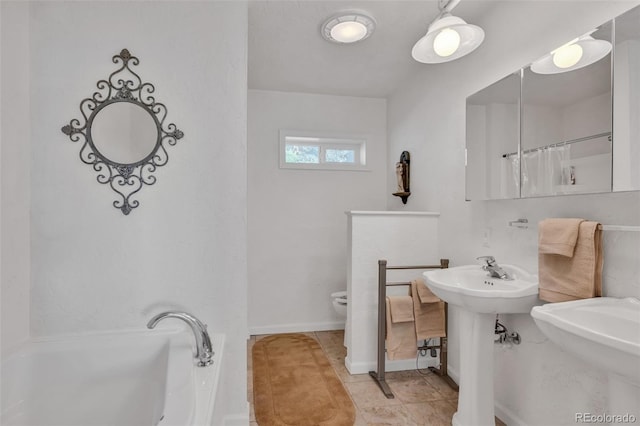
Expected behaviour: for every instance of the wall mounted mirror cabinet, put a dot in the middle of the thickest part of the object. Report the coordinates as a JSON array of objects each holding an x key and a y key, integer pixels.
[
  {"x": 568, "y": 125},
  {"x": 493, "y": 132},
  {"x": 626, "y": 102}
]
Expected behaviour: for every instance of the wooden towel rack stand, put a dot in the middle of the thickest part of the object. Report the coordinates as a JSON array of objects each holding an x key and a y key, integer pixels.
[{"x": 379, "y": 375}]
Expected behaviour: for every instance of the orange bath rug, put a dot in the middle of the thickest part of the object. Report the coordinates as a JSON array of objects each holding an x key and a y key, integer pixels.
[{"x": 294, "y": 384}]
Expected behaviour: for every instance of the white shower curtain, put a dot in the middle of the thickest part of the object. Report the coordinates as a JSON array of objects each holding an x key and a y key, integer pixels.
[{"x": 542, "y": 170}]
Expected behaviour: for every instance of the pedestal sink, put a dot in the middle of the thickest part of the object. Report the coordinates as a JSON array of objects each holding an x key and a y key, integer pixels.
[
  {"x": 605, "y": 332},
  {"x": 480, "y": 298}
]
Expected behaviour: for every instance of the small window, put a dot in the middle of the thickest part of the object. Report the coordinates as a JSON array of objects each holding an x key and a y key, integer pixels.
[{"x": 306, "y": 150}]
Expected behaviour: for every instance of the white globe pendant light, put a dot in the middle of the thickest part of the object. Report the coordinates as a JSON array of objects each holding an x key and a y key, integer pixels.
[{"x": 448, "y": 38}]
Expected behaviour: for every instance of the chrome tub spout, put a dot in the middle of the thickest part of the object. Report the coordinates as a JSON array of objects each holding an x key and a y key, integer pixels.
[{"x": 204, "y": 351}]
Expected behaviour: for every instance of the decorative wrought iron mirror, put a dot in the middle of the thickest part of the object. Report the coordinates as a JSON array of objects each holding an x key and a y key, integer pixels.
[{"x": 124, "y": 133}]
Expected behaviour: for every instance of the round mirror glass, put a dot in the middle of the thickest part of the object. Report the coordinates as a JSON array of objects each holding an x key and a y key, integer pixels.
[{"x": 124, "y": 132}]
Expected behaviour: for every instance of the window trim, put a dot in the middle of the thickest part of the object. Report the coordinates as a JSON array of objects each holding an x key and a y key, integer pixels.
[{"x": 325, "y": 141}]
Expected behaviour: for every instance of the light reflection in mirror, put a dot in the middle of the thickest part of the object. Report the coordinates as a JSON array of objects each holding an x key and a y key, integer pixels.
[{"x": 566, "y": 129}]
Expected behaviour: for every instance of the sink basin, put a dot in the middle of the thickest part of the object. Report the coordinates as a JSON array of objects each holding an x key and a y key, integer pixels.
[
  {"x": 471, "y": 288},
  {"x": 605, "y": 332},
  {"x": 479, "y": 298}
]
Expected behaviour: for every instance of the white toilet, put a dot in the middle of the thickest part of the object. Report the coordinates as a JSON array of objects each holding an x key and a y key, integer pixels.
[{"x": 339, "y": 299}]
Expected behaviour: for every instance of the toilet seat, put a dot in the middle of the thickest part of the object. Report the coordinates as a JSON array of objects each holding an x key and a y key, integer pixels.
[
  {"x": 339, "y": 297},
  {"x": 339, "y": 294}
]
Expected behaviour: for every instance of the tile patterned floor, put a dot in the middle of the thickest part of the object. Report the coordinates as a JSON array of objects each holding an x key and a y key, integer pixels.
[{"x": 421, "y": 399}]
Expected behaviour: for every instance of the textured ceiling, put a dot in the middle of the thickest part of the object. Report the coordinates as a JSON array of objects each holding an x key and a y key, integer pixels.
[{"x": 287, "y": 52}]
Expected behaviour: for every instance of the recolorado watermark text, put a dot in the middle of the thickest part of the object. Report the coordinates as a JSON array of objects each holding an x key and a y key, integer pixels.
[{"x": 605, "y": 418}]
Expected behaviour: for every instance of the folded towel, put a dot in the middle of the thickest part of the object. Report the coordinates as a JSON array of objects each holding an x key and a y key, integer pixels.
[
  {"x": 558, "y": 236},
  {"x": 570, "y": 278},
  {"x": 429, "y": 317},
  {"x": 401, "y": 309},
  {"x": 401, "y": 336}
]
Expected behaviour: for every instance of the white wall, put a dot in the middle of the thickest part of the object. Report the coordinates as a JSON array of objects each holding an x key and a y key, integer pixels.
[
  {"x": 297, "y": 226},
  {"x": 185, "y": 246},
  {"x": 536, "y": 382},
  {"x": 14, "y": 154}
]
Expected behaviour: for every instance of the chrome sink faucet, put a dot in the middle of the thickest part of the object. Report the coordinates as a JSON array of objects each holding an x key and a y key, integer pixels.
[
  {"x": 204, "y": 351},
  {"x": 493, "y": 268}
]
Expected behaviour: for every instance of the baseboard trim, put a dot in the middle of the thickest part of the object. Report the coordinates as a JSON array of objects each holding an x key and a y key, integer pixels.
[
  {"x": 453, "y": 373},
  {"x": 507, "y": 416},
  {"x": 297, "y": 328},
  {"x": 396, "y": 365}
]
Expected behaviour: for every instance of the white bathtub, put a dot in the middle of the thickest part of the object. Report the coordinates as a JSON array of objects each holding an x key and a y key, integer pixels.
[{"x": 137, "y": 378}]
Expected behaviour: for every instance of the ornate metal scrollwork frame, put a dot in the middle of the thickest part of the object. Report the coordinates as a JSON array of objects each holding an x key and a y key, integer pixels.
[{"x": 123, "y": 85}]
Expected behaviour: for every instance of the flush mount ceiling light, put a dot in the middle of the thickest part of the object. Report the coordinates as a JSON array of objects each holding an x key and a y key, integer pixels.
[
  {"x": 447, "y": 38},
  {"x": 348, "y": 27},
  {"x": 578, "y": 53}
]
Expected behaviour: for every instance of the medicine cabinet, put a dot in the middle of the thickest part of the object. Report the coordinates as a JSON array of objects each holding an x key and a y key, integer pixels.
[
  {"x": 626, "y": 102},
  {"x": 537, "y": 134},
  {"x": 493, "y": 131}
]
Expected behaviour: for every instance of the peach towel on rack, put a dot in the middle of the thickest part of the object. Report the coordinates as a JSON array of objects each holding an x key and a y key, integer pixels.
[
  {"x": 429, "y": 316},
  {"x": 570, "y": 278},
  {"x": 401, "y": 309},
  {"x": 424, "y": 293},
  {"x": 558, "y": 236},
  {"x": 401, "y": 336}
]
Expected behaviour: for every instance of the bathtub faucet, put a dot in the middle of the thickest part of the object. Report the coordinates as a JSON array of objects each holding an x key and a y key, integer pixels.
[
  {"x": 493, "y": 268},
  {"x": 204, "y": 351}
]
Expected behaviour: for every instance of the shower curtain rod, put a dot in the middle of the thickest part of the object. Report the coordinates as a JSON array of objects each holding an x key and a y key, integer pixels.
[{"x": 553, "y": 145}]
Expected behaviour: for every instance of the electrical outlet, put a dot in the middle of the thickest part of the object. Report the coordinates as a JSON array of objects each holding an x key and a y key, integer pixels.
[{"x": 486, "y": 238}]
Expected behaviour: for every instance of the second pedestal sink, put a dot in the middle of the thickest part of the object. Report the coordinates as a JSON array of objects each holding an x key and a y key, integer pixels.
[
  {"x": 480, "y": 298},
  {"x": 605, "y": 332}
]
